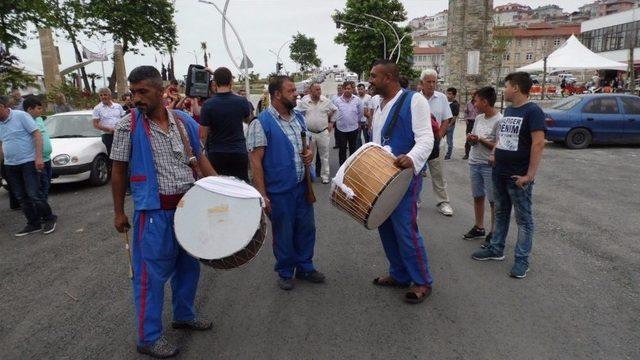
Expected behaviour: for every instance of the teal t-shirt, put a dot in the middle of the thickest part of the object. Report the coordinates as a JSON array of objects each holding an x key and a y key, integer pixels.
[{"x": 46, "y": 142}]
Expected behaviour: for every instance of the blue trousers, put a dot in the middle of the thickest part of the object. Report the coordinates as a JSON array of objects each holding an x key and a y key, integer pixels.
[
  {"x": 294, "y": 231},
  {"x": 156, "y": 257},
  {"x": 507, "y": 196},
  {"x": 402, "y": 242},
  {"x": 450, "y": 131},
  {"x": 24, "y": 181}
]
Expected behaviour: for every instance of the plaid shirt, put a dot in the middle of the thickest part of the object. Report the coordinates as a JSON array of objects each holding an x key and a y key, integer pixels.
[
  {"x": 172, "y": 165},
  {"x": 291, "y": 128}
]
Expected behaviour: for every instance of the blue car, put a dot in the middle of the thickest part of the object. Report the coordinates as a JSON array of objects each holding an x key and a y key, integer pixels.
[{"x": 581, "y": 120}]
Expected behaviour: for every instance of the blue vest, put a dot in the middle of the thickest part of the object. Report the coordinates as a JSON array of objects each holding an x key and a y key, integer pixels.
[
  {"x": 144, "y": 183},
  {"x": 279, "y": 155},
  {"x": 402, "y": 138}
]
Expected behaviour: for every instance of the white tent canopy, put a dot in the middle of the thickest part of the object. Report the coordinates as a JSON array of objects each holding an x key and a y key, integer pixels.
[{"x": 572, "y": 55}]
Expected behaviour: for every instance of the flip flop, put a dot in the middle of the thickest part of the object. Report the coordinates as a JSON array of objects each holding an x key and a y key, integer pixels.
[
  {"x": 389, "y": 282},
  {"x": 416, "y": 297}
]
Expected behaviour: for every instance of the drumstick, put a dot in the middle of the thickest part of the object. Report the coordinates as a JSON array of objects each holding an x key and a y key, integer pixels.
[
  {"x": 311, "y": 197},
  {"x": 128, "y": 248}
]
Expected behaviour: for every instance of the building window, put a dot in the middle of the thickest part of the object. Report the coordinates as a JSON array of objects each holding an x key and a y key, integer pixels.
[
  {"x": 506, "y": 57},
  {"x": 531, "y": 42},
  {"x": 516, "y": 57},
  {"x": 544, "y": 43},
  {"x": 529, "y": 56},
  {"x": 557, "y": 41},
  {"x": 519, "y": 42}
]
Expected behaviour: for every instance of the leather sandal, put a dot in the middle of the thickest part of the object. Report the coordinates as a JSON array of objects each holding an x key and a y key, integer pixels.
[
  {"x": 388, "y": 281},
  {"x": 416, "y": 296}
]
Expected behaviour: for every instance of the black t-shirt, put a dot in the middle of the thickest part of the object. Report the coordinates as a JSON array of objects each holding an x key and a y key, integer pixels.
[
  {"x": 223, "y": 114},
  {"x": 513, "y": 148},
  {"x": 455, "y": 109}
]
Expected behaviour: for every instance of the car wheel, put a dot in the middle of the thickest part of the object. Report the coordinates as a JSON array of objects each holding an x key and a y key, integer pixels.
[
  {"x": 579, "y": 138},
  {"x": 99, "y": 171}
]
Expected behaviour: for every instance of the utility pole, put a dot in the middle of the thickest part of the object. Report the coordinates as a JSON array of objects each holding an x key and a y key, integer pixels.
[{"x": 632, "y": 47}]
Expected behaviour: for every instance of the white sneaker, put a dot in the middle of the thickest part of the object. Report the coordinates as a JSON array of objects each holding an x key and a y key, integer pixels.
[
  {"x": 325, "y": 180},
  {"x": 445, "y": 209}
]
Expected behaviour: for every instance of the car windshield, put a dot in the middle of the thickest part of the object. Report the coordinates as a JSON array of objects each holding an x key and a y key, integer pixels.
[
  {"x": 71, "y": 125},
  {"x": 567, "y": 104}
]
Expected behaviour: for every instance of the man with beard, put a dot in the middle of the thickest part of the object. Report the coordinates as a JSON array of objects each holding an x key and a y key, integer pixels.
[
  {"x": 162, "y": 149},
  {"x": 402, "y": 122},
  {"x": 278, "y": 163}
]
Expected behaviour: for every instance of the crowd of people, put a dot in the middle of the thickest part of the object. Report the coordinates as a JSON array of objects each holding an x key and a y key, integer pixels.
[{"x": 160, "y": 142}]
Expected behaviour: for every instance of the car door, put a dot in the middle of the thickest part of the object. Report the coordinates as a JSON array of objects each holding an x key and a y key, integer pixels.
[
  {"x": 602, "y": 115},
  {"x": 631, "y": 106}
]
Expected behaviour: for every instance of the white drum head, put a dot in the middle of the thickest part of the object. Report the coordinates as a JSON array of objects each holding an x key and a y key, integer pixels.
[
  {"x": 211, "y": 226},
  {"x": 389, "y": 199}
]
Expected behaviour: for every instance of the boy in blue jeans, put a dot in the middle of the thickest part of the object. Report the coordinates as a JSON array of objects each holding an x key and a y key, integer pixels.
[
  {"x": 33, "y": 106},
  {"x": 516, "y": 156}
]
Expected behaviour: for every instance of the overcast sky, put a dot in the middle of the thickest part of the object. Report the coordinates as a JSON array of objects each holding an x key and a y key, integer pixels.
[{"x": 262, "y": 25}]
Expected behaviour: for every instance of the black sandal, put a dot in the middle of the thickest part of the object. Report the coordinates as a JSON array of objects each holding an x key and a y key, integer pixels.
[
  {"x": 389, "y": 282},
  {"x": 413, "y": 297}
]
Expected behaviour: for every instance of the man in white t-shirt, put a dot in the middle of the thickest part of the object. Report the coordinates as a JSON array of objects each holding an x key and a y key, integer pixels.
[
  {"x": 440, "y": 109},
  {"x": 106, "y": 115},
  {"x": 318, "y": 112},
  {"x": 482, "y": 140}
]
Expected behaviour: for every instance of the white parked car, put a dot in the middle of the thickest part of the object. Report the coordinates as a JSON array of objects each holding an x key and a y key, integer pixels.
[{"x": 78, "y": 152}]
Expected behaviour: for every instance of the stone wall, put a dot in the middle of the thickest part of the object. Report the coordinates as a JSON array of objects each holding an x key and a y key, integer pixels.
[{"x": 470, "y": 27}]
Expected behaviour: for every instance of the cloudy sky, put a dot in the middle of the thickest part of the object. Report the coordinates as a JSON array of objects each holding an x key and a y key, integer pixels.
[{"x": 263, "y": 25}]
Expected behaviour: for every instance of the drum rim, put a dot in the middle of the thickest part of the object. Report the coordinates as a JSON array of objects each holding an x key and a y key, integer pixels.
[{"x": 373, "y": 204}]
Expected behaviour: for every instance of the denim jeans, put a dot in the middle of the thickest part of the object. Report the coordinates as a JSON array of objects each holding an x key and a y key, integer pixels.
[
  {"x": 450, "y": 141},
  {"x": 45, "y": 180},
  {"x": 24, "y": 180},
  {"x": 507, "y": 195}
]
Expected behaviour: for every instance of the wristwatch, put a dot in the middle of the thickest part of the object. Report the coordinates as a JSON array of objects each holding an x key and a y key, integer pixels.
[{"x": 193, "y": 160}]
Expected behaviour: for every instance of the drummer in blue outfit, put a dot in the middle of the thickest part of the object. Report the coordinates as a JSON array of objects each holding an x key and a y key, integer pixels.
[
  {"x": 402, "y": 122},
  {"x": 162, "y": 149},
  {"x": 277, "y": 161}
]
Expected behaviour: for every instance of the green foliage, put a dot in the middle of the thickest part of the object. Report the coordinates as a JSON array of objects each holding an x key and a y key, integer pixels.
[
  {"x": 501, "y": 42},
  {"x": 364, "y": 46},
  {"x": 74, "y": 96},
  {"x": 303, "y": 51},
  {"x": 135, "y": 23},
  {"x": 14, "y": 17},
  {"x": 11, "y": 76}
]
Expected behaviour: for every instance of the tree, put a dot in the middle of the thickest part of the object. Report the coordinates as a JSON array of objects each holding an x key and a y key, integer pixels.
[
  {"x": 303, "y": 51},
  {"x": 364, "y": 46},
  {"x": 135, "y": 23},
  {"x": 11, "y": 76},
  {"x": 14, "y": 15},
  {"x": 70, "y": 16},
  {"x": 203, "y": 46},
  {"x": 501, "y": 42},
  {"x": 93, "y": 77}
]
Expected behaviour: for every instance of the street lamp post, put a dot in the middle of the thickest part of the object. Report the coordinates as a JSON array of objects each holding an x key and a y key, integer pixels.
[
  {"x": 384, "y": 39},
  {"x": 195, "y": 55},
  {"x": 392, "y": 28},
  {"x": 398, "y": 47},
  {"x": 225, "y": 20},
  {"x": 278, "y": 60}
]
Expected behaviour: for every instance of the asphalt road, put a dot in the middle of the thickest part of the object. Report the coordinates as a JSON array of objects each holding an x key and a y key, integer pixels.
[{"x": 67, "y": 295}]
